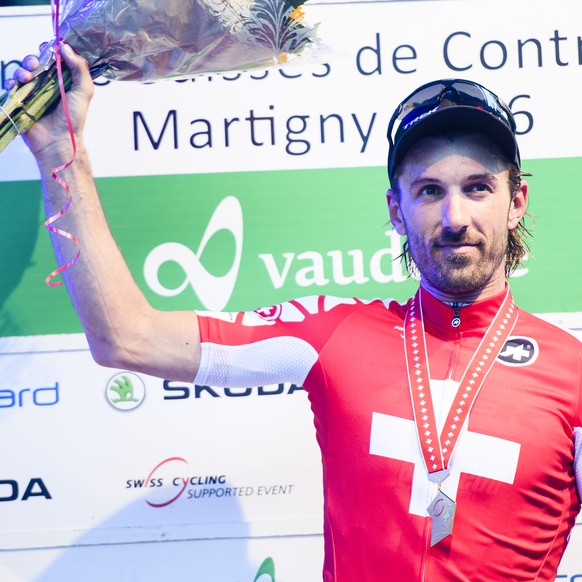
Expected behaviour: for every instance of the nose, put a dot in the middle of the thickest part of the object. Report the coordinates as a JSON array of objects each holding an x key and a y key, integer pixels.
[{"x": 455, "y": 212}]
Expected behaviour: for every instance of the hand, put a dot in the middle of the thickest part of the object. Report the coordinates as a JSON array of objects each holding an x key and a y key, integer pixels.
[{"x": 51, "y": 133}]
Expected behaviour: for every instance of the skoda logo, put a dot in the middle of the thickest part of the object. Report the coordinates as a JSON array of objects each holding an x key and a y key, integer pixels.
[
  {"x": 125, "y": 391},
  {"x": 519, "y": 351}
]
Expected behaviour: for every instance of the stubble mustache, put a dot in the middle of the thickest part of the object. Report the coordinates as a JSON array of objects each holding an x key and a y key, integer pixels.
[{"x": 447, "y": 237}]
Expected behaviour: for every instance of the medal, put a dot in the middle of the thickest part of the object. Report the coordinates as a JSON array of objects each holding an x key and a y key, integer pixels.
[
  {"x": 442, "y": 512},
  {"x": 437, "y": 448}
]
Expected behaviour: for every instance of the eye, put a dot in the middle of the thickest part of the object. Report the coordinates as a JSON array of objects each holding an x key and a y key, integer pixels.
[
  {"x": 430, "y": 190},
  {"x": 479, "y": 187}
]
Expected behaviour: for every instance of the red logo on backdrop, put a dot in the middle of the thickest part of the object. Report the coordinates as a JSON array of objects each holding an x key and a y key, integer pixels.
[
  {"x": 168, "y": 480},
  {"x": 269, "y": 313},
  {"x": 158, "y": 470}
]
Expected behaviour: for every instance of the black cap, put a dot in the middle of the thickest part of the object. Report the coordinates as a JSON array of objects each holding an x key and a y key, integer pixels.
[{"x": 449, "y": 104}]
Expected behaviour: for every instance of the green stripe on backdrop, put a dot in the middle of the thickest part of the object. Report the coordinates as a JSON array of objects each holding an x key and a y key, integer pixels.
[{"x": 300, "y": 229}]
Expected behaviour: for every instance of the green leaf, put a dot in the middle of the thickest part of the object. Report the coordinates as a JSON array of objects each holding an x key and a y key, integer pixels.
[{"x": 268, "y": 568}]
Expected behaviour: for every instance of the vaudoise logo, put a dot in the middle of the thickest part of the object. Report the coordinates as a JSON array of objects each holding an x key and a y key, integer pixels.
[
  {"x": 214, "y": 291},
  {"x": 305, "y": 269}
]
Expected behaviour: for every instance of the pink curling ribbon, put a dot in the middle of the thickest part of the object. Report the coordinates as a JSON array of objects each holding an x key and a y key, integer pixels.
[{"x": 55, "y": 9}]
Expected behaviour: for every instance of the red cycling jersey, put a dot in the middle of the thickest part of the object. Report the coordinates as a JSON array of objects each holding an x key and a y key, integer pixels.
[{"x": 512, "y": 472}]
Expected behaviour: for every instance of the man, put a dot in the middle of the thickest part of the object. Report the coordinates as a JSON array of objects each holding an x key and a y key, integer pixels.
[{"x": 448, "y": 441}]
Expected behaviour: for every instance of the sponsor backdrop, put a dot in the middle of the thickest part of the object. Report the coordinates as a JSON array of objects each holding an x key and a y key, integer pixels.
[{"x": 234, "y": 192}]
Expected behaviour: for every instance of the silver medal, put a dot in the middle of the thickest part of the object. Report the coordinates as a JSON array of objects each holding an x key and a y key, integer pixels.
[{"x": 442, "y": 512}]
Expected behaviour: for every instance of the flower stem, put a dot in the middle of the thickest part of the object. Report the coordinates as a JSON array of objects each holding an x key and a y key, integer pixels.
[{"x": 24, "y": 105}]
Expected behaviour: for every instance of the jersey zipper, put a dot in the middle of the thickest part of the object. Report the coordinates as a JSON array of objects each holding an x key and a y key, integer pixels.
[
  {"x": 426, "y": 543},
  {"x": 456, "y": 321}
]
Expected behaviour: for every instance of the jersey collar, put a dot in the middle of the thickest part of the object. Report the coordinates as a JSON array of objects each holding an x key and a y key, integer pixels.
[{"x": 474, "y": 317}]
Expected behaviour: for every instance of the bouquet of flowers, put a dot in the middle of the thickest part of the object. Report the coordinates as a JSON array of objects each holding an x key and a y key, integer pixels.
[{"x": 148, "y": 40}]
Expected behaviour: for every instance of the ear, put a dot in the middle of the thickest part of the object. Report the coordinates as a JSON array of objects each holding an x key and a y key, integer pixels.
[
  {"x": 395, "y": 212},
  {"x": 518, "y": 206}
]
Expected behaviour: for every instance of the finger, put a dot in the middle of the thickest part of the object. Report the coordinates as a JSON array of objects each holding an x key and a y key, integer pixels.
[
  {"x": 73, "y": 59},
  {"x": 22, "y": 75},
  {"x": 79, "y": 68},
  {"x": 30, "y": 62},
  {"x": 9, "y": 84}
]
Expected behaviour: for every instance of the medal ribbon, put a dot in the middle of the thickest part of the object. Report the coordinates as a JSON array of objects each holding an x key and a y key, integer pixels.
[{"x": 437, "y": 449}]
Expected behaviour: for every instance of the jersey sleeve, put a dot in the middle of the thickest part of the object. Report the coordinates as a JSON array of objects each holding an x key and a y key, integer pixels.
[{"x": 276, "y": 344}]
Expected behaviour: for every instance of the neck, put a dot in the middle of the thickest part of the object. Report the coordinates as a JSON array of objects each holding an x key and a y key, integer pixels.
[{"x": 489, "y": 290}]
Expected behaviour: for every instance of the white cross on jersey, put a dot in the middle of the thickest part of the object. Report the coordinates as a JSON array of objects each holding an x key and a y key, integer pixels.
[
  {"x": 518, "y": 353},
  {"x": 475, "y": 454}
]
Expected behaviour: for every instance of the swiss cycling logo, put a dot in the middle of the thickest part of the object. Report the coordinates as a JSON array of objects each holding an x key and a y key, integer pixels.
[{"x": 171, "y": 479}]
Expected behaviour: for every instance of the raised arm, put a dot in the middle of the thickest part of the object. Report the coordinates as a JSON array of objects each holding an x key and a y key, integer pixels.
[{"x": 122, "y": 328}]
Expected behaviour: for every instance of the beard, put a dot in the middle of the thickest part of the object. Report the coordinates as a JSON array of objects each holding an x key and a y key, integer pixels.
[{"x": 457, "y": 274}]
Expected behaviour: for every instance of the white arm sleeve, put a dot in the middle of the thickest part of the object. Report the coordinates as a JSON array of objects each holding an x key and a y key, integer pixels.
[{"x": 279, "y": 359}]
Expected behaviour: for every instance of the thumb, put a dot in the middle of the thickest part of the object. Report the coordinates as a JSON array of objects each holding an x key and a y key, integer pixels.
[{"x": 79, "y": 69}]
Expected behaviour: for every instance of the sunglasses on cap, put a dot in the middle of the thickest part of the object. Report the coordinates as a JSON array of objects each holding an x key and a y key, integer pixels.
[{"x": 450, "y": 102}]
